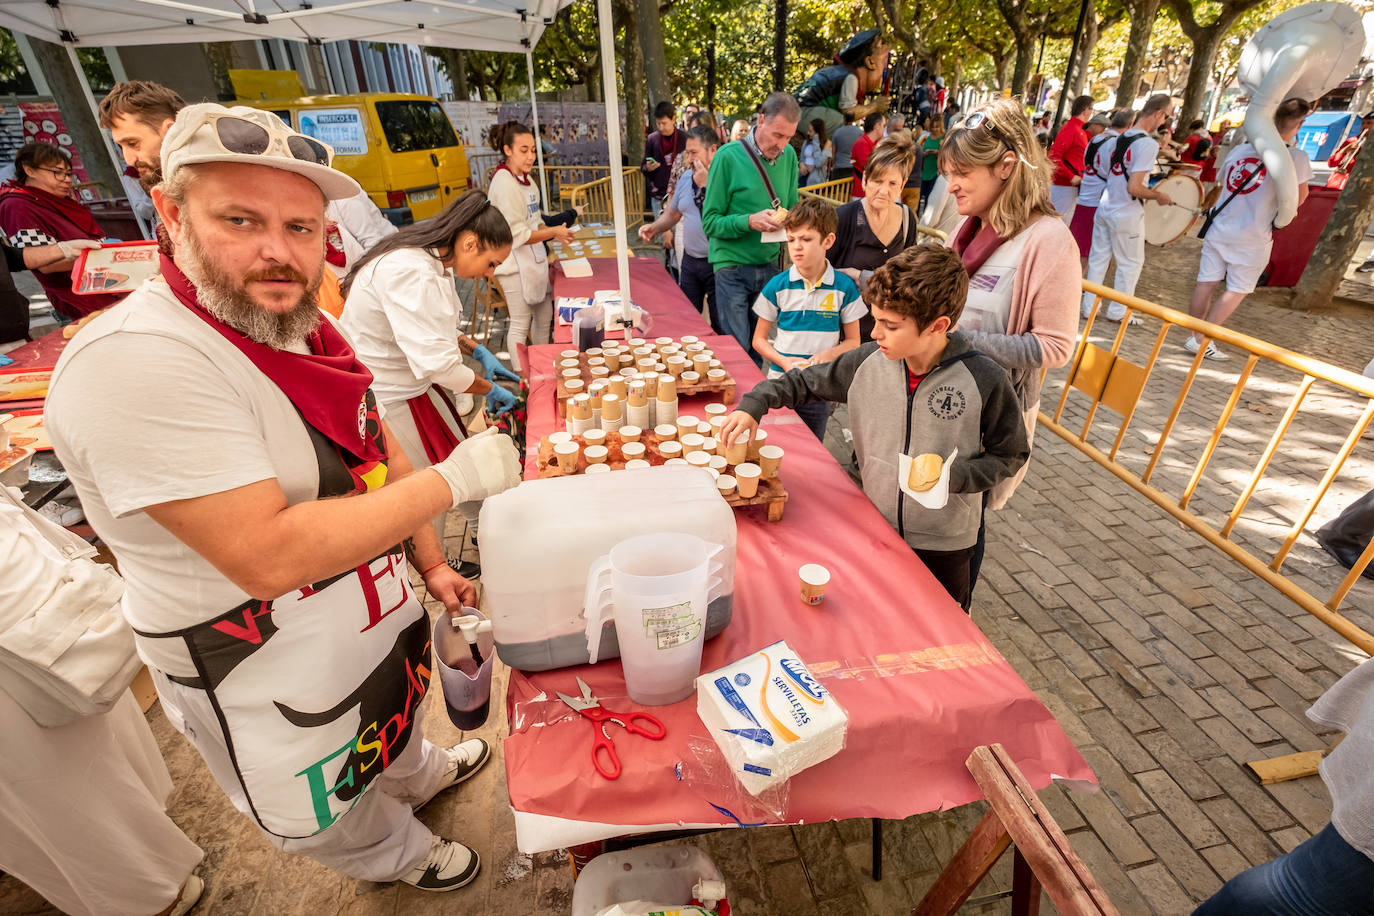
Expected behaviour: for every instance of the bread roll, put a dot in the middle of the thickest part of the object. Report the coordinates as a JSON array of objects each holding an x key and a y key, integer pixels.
[{"x": 925, "y": 472}]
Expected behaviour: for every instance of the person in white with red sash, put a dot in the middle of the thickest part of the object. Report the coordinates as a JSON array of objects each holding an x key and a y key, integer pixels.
[
  {"x": 524, "y": 276},
  {"x": 402, "y": 312},
  {"x": 1240, "y": 234},
  {"x": 227, "y": 446},
  {"x": 1020, "y": 257}
]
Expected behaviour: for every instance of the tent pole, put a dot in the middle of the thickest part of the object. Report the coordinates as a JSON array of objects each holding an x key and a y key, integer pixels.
[
  {"x": 612, "y": 95},
  {"x": 95, "y": 112},
  {"x": 538, "y": 141}
]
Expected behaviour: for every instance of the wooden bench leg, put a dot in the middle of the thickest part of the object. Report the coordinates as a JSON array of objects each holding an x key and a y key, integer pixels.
[
  {"x": 1025, "y": 887},
  {"x": 969, "y": 866}
]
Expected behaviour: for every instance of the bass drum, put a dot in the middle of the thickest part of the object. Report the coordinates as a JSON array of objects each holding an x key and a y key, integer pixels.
[{"x": 1166, "y": 225}]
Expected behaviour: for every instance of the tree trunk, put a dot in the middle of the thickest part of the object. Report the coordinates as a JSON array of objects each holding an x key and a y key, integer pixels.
[
  {"x": 779, "y": 45},
  {"x": 1200, "y": 71},
  {"x": 711, "y": 73},
  {"x": 999, "y": 66},
  {"x": 1340, "y": 237},
  {"x": 1091, "y": 33},
  {"x": 1137, "y": 51},
  {"x": 632, "y": 79},
  {"x": 220, "y": 55},
  {"x": 1025, "y": 54},
  {"x": 650, "y": 29},
  {"x": 458, "y": 73},
  {"x": 65, "y": 85}
]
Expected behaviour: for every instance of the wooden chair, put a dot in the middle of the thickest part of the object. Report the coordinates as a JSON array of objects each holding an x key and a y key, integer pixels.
[
  {"x": 487, "y": 298},
  {"x": 1044, "y": 858}
]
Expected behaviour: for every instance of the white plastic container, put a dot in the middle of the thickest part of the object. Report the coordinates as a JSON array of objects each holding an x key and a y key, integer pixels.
[
  {"x": 656, "y": 587},
  {"x": 540, "y": 539},
  {"x": 665, "y": 874}
]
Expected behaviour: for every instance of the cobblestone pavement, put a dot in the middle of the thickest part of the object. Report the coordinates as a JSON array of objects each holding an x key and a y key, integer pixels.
[{"x": 1166, "y": 662}]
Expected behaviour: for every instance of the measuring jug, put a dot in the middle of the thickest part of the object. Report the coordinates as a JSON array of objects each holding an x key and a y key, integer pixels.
[{"x": 658, "y": 587}]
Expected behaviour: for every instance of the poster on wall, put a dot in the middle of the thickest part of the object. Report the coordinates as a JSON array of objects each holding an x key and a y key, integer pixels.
[
  {"x": 43, "y": 124},
  {"x": 471, "y": 121}
]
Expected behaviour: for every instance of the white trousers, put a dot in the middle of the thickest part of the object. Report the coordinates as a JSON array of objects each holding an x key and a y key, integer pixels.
[
  {"x": 82, "y": 812},
  {"x": 1064, "y": 198},
  {"x": 1124, "y": 239},
  {"x": 379, "y": 839},
  {"x": 402, "y": 426},
  {"x": 532, "y": 320}
]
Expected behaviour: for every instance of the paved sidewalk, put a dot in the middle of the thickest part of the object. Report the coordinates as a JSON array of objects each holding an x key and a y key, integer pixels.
[{"x": 1166, "y": 662}]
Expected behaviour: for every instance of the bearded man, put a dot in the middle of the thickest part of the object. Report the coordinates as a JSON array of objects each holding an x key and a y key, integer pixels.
[{"x": 226, "y": 445}]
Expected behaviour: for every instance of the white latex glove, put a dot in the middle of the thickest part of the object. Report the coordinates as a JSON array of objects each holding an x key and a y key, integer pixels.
[
  {"x": 73, "y": 247},
  {"x": 481, "y": 466}
]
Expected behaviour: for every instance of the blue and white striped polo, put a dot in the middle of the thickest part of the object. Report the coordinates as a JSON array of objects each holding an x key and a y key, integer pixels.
[{"x": 809, "y": 318}]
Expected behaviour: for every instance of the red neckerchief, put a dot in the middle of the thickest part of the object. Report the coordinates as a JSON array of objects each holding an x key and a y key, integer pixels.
[
  {"x": 974, "y": 243},
  {"x": 328, "y": 386},
  {"x": 524, "y": 181},
  {"x": 72, "y": 211}
]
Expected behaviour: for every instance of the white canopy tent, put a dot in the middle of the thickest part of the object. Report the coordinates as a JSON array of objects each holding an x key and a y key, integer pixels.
[{"x": 511, "y": 26}]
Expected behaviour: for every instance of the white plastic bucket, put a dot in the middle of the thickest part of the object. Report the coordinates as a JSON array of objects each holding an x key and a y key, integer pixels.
[
  {"x": 658, "y": 587},
  {"x": 467, "y": 685}
]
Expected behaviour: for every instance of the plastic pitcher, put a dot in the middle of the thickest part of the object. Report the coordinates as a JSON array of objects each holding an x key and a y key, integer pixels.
[
  {"x": 657, "y": 586},
  {"x": 467, "y": 685}
]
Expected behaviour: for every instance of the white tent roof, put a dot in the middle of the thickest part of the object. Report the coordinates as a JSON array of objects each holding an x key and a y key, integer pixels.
[{"x": 481, "y": 25}]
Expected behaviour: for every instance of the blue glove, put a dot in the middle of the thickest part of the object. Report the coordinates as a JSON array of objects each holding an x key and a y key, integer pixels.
[
  {"x": 491, "y": 366},
  {"x": 499, "y": 400}
]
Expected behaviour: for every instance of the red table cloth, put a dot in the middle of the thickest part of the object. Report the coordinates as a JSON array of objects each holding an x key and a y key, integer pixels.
[
  {"x": 921, "y": 683},
  {"x": 650, "y": 288}
]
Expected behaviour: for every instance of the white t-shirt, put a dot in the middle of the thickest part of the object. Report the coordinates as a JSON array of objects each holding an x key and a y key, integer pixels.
[
  {"x": 1118, "y": 203},
  {"x": 1247, "y": 221},
  {"x": 402, "y": 315},
  {"x": 519, "y": 204},
  {"x": 1094, "y": 183},
  {"x": 150, "y": 404}
]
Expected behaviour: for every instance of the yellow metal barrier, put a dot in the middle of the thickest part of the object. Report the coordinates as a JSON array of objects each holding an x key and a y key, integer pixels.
[
  {"x": 1109, "y": 379},
  {"x": 839, "y": 191},
  {"x": 594, "y": 198}
]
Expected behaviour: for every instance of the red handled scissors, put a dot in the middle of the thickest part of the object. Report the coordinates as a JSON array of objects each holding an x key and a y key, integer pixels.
[{"x": 591, "y": 707}]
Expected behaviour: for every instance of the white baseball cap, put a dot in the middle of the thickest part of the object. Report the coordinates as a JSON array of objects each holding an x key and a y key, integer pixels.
[{"x": 207, "y": 132}]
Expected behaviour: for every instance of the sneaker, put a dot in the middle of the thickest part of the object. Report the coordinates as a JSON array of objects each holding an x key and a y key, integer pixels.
[
  {"x": 1192, "y": 346},
  {"x": 1366, "y": 267},
  {"x": 189, "y": 896},
  {"x": 465, "y": 568},
  {"x": 463, "y": 761},
  {"x": 448, "y": 866},
  {"x": 62, "y": 514},
  {"x": 1132, "y": 321}
]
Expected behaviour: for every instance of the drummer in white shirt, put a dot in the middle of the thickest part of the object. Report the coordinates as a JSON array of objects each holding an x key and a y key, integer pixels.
[
  {"x": 1237, "y": 244},
  {"x": 1119, "y": 225},
  {"x": 401, "y": 313}
]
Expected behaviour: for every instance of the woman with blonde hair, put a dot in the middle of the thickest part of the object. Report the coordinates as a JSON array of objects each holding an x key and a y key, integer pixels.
[{"x": 1022, "y": 262}]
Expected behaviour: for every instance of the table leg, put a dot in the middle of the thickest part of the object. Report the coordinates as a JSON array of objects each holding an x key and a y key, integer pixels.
[{"x": 877, "y": 849}]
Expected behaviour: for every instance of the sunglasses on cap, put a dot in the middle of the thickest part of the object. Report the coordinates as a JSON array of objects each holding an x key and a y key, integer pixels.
[
  {"x": 246, "y": 137},
  {"x": 981, "y": 119}
]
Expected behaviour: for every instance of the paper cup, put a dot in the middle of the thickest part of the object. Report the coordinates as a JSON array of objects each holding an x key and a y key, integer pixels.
[
  {"x": 688, "y": 340},
  {"x": 637, "y": 464},
  {"x": 595, "y": 437},
  {"x": 581, "y": 406},
  {"x": 596, "y": 360},
  {"x": 632, "y": 450},
  {"x": 716, "y": 423},
  {"x": 612, "y": 358},
  {"x": 737, "y": 452},
  {"x": 715, "y": 475},
  {"x": 600, "y": 371},
  {"x": 725, "y": 484},
  {"x": 681, "y": 461},
  {"x": 596, "y": 454},
  {"x": 670, "y": 449},
  {"x": 699, "y": 460},
  {"x": 595, "y": 351},
  {"x": 565, "y": 457},
  {"x": 692, "y": 442},
  {"x": 574, "y": 386},
  {"x": 571, "y": 375},
  {"x": 665, "y": 431},
  {"x": 716, "y": 410},
  {"x": 628, "y": 372},
  {"x": 612, "y": 407},
  {"x": 747, "y": 479},
  {"x": 667, "y": 388},
  {"x": 619, "y": 386},
  {"x": 708, "y": 445},
  {"x": 760, "y": 440},
  {"x": 676, "y": 365},
  {"x": 569, "y": 354},
  {"x": 598, "y": 469},
  {"x": 662, "y": 342},
  {"x": 630, "y": 433},
  {"x": 686, "y": 424},
  {"x": 770, "y": 459},
  {"x": 704, "y": 430},
  {"x": 566, "y": 363},
  {"x": 690, "y": 378},
  {"x": 718, "y": 462},
  {"x": 715, "y": 376},
  {"x": 701, "y": 363},
  {"x": 646, "y": 363},
  {"x": 814, "y": 579}
]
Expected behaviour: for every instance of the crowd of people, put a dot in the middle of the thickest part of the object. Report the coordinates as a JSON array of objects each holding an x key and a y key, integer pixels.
[{"x": 267, "y": 408}]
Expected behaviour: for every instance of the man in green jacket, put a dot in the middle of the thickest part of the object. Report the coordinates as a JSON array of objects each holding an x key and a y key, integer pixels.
[{"x": 739, "y": 218}]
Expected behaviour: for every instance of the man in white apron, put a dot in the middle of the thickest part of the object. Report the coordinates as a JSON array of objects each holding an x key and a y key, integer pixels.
[
  {"x": 226, "y": 444},
  {"x": 1119, "y": 225}
]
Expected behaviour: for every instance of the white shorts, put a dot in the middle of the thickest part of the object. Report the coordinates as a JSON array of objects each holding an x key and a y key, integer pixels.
[{"x": 1240, "y": 269}]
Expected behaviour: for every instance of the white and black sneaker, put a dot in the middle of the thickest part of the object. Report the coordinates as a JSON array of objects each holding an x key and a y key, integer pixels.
[
  {"x": 1190, "y": 343},
  {"x": 465, "y": 568},
  {"x": 463, "y": 761},
  {"x": 449, "y": 866}
]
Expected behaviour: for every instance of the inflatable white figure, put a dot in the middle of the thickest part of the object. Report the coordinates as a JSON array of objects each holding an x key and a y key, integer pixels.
[{"x": 1301, "y": 54}]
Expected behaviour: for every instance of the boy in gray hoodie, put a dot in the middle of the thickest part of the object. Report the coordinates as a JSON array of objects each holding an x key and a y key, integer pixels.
[{"x": 917, "y": 388}]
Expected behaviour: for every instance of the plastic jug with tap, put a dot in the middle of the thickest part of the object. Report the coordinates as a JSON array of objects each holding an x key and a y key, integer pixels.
[{"x": 657, "y": 587}]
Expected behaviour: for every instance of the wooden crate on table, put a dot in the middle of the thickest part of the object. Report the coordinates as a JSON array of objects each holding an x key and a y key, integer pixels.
[
  {"x": 724, "y": 389},
  {"x": 771, "y": 492}
]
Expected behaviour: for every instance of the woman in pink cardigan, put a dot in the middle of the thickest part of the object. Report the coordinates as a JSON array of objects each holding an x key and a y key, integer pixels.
[{"x": 1024, "y": 273}]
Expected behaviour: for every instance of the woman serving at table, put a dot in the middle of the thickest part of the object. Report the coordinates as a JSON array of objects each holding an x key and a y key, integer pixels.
[
  {"x": 1022, "y": 262},
  {"x": 36, "y": 208},
  {"x": 402, "y": 313},
  {"x": 524, "y": 276}
]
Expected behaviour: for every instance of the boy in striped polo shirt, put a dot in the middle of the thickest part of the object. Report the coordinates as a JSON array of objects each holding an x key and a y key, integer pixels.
[{"x": 815, "y": 309}]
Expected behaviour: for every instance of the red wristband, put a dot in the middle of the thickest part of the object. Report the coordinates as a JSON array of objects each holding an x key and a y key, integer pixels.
[{"x": 428, "y": 570}]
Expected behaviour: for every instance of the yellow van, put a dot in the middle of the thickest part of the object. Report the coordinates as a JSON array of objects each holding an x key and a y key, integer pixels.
[{"x": 401, "y": 148}]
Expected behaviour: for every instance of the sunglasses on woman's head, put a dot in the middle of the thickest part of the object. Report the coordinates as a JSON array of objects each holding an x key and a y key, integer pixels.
[{"x": 981, "y": 119}]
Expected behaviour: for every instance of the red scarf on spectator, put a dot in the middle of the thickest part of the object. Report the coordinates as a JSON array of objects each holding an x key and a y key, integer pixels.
[
  {"x": 974, "y": 243},
  {"x": 328, "y": 385},
  {"x": 57, "y": 210}
]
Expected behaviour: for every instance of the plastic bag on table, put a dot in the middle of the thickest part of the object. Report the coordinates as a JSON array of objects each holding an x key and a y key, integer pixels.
[{"x": 706, "y": 772}]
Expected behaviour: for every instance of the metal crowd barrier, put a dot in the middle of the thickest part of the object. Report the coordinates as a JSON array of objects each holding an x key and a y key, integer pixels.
[
  {"x": 595, "y": 198},
  {"x": 836, "y": 192},
  {"x": 1110, "y": 380}
]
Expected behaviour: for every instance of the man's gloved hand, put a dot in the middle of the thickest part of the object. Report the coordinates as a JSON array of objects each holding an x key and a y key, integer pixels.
[
  {"x": 499, "y": 400},
  {"x": 491, "y": 366},
  {"x": 481, "y": 466},
  {"x": 74, "y": 247}
]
